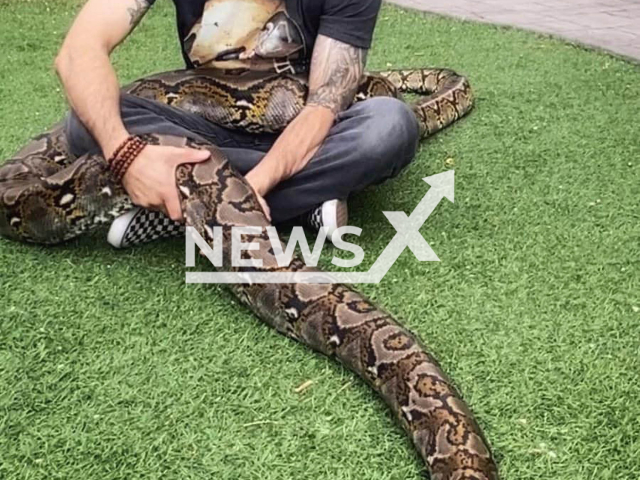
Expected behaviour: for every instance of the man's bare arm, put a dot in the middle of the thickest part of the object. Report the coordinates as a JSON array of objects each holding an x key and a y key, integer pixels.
[
  {"x": 92, "y": 89},
  {"x": 336, "y": 69},
  {"x": 85, "y": 69}
]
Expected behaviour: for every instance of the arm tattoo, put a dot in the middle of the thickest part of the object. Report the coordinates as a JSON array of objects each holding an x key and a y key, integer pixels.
[
  {"x": 336, "y": 70},
  {"x": 137, "y": 12}
]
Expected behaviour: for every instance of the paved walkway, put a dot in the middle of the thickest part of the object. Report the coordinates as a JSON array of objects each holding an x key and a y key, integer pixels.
[{"x": 610, "y": 24}]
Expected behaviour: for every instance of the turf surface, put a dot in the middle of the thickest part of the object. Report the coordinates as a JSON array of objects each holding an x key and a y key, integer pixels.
[{"x": 112, "y": 368}]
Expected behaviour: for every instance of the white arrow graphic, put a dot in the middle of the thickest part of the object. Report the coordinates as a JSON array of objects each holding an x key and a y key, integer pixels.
[
  {"x": 407, "y": 236},
  {"x": 408, "y": 228}
]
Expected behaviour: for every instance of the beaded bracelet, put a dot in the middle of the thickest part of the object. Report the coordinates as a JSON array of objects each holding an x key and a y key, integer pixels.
[
  {"x": 118, "y": 150},
  {"x": 124, "y": 156}
]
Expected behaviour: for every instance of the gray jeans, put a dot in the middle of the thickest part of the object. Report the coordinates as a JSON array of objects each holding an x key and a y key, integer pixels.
[{"x": 369, "y": 143}]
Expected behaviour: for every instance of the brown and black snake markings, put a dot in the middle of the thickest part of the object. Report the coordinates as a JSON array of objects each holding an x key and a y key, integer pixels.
[{"x": 47, "y": 196}]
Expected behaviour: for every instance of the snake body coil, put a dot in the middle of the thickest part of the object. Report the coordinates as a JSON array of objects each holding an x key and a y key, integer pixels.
[{"x": 47, "y": 196}]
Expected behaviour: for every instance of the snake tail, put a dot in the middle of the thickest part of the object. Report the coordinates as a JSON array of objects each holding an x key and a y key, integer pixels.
[{"x": 337, "y": 321}]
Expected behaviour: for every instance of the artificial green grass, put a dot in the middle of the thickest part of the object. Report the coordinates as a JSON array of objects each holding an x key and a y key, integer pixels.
[{"x": 112, "y": 368}]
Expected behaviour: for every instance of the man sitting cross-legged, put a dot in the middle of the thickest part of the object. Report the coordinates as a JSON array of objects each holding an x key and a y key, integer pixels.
[{"x": 306, "y": 173}]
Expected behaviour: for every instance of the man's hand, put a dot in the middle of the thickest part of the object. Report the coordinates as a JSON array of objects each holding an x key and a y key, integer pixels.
[
  {"x": 151, "y": 181},
  {"x": 263, "y": 204}
]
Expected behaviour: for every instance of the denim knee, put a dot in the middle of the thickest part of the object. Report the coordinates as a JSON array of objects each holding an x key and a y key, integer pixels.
[{"x": 388, "y": 134}]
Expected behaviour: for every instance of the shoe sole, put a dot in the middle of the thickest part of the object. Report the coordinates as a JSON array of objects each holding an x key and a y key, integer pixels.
[
  {"x": 119, "y": 228},
  {"x": 335, "y": 212}
]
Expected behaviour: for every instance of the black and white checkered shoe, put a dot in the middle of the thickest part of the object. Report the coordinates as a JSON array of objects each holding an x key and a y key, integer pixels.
[
  {"x": 139, "y": 226},
  {"x": 332, "y": 214}
]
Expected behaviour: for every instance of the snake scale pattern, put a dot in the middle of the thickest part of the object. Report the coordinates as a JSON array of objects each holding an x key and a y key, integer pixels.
[{"x": 47, "y": 196}]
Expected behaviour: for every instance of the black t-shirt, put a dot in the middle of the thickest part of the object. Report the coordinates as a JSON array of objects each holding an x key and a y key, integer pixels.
[{"x": 268, "y": 34}]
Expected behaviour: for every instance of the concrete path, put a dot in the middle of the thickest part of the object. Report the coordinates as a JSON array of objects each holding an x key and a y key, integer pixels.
[{"x": 613, "y": 25}]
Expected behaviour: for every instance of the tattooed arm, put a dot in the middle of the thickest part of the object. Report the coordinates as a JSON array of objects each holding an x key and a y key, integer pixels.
[
  {"x": 85, "y": 70},
  {"x": 336, "y": 68}
]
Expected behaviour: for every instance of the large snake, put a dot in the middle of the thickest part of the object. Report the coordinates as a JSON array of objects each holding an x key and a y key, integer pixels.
[{"x": 47, "y": 196}]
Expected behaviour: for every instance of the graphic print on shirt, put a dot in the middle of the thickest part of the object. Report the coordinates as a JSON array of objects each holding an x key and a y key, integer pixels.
[{"x": 246, "y": 34}]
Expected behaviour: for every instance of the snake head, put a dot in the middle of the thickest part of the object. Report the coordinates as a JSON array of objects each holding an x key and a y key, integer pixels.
[{"x": 279, "y": 38}]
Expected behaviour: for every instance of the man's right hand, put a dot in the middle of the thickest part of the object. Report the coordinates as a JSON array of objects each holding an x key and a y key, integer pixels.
[{"x": 151, "y": 182}]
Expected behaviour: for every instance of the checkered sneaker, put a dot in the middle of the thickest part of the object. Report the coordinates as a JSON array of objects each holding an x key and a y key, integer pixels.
[
  {"x": 331, "y": 215},
  {"x": 313, "y": 219},
  {"x": 139, "y": 226}
]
